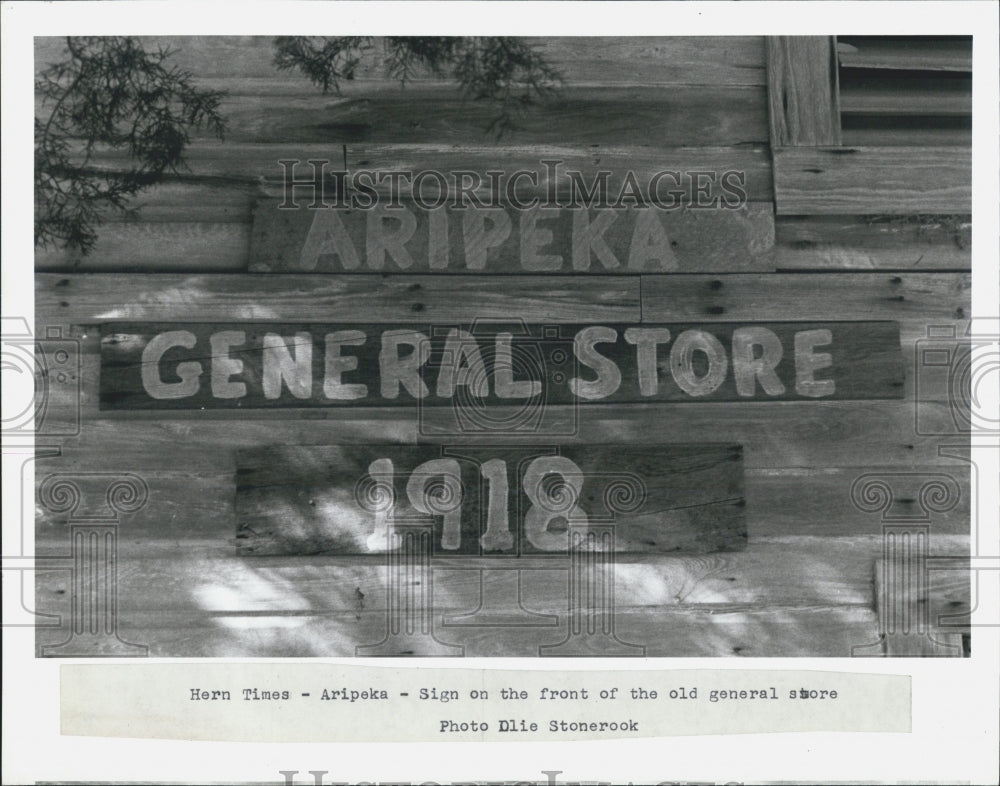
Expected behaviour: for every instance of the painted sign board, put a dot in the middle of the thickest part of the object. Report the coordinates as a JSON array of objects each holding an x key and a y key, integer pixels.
[
  {"x": 499, "y": 501},
  {"x": 174, "y": 366},
  {"x": 549, "y": 240}
]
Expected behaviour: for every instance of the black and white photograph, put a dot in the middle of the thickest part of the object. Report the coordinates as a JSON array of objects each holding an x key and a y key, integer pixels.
[{"x": 389, "y": 379}]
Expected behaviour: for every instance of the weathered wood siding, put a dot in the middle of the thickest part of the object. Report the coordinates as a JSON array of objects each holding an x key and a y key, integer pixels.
[{"x": 825, "y": 248}]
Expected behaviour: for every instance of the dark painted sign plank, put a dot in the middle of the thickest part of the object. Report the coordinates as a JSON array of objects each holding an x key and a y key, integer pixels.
[
  {"x": 717, "y": 237},
  {"x": 490, "y": 500},
  {"x": 474, "y": 367}
]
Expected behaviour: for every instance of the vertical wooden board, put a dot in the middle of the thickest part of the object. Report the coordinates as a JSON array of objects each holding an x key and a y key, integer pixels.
[
  {"x": 904, "y": 602},
  {"x": 573, "y": 239},
  {"x": 507, "y": 501},
  {"x": 803, "y": 91}
]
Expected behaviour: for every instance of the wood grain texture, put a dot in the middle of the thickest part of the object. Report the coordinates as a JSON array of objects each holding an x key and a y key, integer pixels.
[
  {"x": 740, "y": 239},
  {"x": 751, "y": 162},
  {"x": 804, "y": 584},
  {"x": 915, "y": 97},
  {"x": 96, "y": 297},
  {"x": 439, "y": 112},
  {"x": 785, "y": 434},
  {"x": 238, "y": 63},
  {"x": 861, "y": 131},
  {"x": 703, "y": 116},
  {"x": 682, "y": 60},
  {"x": 818, "y": 502},
  {"x": 180, "y": 201},
  {"x": 708, "y": 362},
  {"x": 192, "y": 493},
  {"x": 655, "y": 499},
  {"x": 789, "y": 434},
  {"x": 907, "y": 603},
  {"x": 250, "y": 164},
  {"x": 905, "y": 53},
  {"x": 156, "y": 246},
  {"x": 781, "y": 572},
  {"x": 803, "y": 91},
  {"x": 907, "y": 297},
  {"x": 788, "y": 596},
  {"x": 872, "y": 180},
  {"x": 911, "y": 298},
  {"x": 859, "y": 243},
  {"x": 172, "y": 226},
  {"x": 757, "y": 633}
]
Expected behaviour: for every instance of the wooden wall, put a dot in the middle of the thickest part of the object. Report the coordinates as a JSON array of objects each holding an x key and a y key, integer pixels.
[{"x": 855, "y": 237}]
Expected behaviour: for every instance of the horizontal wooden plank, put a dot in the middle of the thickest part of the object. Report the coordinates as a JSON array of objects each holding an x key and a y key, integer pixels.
[
  {"x": 682, "y": 60},
  {"x": 86, "y": 342},
  {"x": 69, "y": 395},
  {"x": 703, "y": 116},
  {"x": 939, "y": 322},
  {"x": 438, "y": 112},
  {"x": 472, "y": 368},
  {"x": 191, "y": 495},
  {"x": 906, "y": 297},
  {"x": 912, "y": 97},
  {"x": 784, "y": 572},
  {"x": 861, "y": 242},
  {"x": 750, "y": 165},
  {"x": 178, "y": 201},
  {"x": 493, "y": 501},
  {"x": 767, "y": 594},
  {"x": 774, "y": 434},
  {"x": 911, "y": 298},
  {"x": 92, "y": 298},
  {"x": 906, "y": 53},
  {"x": 197, "y": 504},
  {"x": 258, "y": 165},
  {"x": 172, "y": 226},
  {"x": 238, "y": 62},
  {"x": 862, "y": 131},
  {"x": 156, "y": 246},
  {"x": 875, "y": 181},
  {"x": 816, "y": 632},
  {"x": 819, "y": 501},
  {"x": 571, "y": 239}
]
